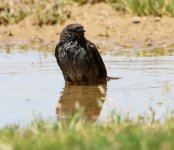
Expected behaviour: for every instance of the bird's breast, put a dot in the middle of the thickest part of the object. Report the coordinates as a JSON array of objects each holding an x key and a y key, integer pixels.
[{"x": 74, "y": 53}]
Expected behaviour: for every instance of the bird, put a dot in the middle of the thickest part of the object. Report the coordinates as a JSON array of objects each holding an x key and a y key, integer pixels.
[{"x": 78, "y": 58}]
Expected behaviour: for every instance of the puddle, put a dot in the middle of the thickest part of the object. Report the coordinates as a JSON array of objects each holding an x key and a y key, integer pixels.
[{"x": 31, "y": 83}]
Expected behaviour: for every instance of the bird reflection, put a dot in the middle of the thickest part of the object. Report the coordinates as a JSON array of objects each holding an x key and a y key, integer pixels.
[{"x": 88, "y": 97}]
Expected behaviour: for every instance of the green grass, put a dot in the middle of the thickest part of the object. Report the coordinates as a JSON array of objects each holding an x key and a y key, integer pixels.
[
  {"x": 145, "y": 7},
  {"x": 50, "y": 12},
  {"x": 77, "y": 134},
  {"x": 138, "y": 7},
  {"x": 47, "y": 12}
]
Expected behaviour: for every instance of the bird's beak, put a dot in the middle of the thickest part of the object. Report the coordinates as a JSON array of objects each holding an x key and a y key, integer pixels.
[{"x": 82, "y": 31}]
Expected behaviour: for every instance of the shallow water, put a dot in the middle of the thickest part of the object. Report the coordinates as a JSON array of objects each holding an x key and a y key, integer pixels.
[{"x": 31, "y": 83}]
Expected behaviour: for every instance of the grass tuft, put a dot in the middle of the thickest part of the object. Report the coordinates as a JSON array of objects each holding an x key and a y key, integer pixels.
[
  {"x": 50, "y": 12},
  {"x": 138, "y": 7},
  {"x": 120, "y": 133},
  {"x": 46, "y": 12},
  {"x": 145, "y": 7}
]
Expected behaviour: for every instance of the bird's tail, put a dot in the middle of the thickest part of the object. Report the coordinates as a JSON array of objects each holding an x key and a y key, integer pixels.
[{"x": 112, "y": 78}]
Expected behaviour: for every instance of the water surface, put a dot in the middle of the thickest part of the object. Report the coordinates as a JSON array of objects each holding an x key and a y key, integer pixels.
[{"x": 31, "y": 83}]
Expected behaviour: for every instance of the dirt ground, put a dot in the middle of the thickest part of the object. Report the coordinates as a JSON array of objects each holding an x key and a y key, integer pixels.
[{"x": 107, "y": 28}]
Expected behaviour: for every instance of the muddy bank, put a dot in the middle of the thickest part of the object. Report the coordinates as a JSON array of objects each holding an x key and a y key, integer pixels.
[{"x": 107, "y": 28}]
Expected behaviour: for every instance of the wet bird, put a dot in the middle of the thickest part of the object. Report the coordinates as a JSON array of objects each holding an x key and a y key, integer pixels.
[{"x": 78, "y": 58}]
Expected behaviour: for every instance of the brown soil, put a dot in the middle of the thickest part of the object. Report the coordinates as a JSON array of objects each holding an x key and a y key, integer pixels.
[{"x": 107, "y": 28}]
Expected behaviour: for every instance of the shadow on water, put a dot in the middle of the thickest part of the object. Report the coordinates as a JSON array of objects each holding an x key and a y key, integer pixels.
[{"x": 88, "y": 97}]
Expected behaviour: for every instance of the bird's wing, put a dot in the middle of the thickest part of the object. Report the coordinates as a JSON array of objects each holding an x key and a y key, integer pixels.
[
  {"x": 56, "y": 50},
  {"x": 56, "y": 53},
  {"x": 98, "y": 58}
]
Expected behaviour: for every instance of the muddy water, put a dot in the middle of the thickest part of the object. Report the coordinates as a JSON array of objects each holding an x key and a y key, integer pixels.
[{"x": 31, "y": 84}]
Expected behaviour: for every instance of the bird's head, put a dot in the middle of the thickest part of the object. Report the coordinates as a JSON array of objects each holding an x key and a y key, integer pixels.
[{"x": 72, "y": 31}]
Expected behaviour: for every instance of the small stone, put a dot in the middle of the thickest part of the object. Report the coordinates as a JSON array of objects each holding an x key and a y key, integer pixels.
[
  {"x": 136, "y": 20},
  {"x": 149, "y": 44},
  {"x": 10, "y": 33},
  {"x": 157, "y": 19}
]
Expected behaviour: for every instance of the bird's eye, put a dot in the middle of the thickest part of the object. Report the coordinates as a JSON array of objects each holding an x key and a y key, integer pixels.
[
  {"x": 70, "y": 30},
  {"x": 77, "y": 28}
]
